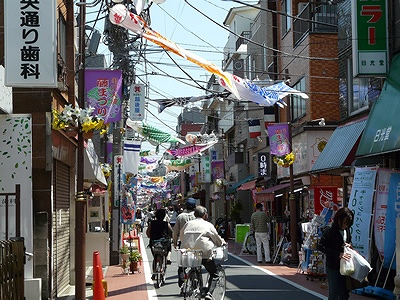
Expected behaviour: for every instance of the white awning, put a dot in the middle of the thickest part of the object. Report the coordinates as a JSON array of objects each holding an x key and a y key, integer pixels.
[{"x": 92, "y": 168}]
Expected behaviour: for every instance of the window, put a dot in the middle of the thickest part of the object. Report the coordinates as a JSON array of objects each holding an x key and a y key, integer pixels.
[
  {"x": 286, "y": 19},
  {"x": 298, "y": 104},
  {"x": 62, "y": 39}
]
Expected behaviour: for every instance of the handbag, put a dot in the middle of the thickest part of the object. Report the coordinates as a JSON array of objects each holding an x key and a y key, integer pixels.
[{"x": 361, "y": 265}]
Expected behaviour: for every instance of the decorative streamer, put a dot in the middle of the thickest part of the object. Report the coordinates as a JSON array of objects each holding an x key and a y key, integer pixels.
[
  {"x": 189, "y": 150},
  {"x": 240, "y": 88}
]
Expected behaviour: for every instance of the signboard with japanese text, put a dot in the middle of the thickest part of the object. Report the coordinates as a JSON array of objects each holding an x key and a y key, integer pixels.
[
  {"x": 263, "y": 164},
  {"x": 30, "y": 30},
  {"x": 361, "y": 199},
  {"x": 137, "y": 102},
  {"x": 118, "y": 173},
  {"x": 205, "y": 169},
  {"x": 370, "y": 37},
  {"x": 380, "y": 209},
  {"x": 325, "y": 197},
  {"x": 103, "y": 90}
]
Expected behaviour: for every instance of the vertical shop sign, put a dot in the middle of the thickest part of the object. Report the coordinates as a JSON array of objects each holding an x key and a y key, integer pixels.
[
  {"x": 136, "y": 102},
  {"x": 104, "y": 93},
  {"x": 205, "y": 169},
  {"x": 370, "y": 37},
  {"x": 263, "y": 164},
  {"x": 30, "y": 29},
  {"x": 118, "y": 172},
  {"x": 361, "y": 196}
]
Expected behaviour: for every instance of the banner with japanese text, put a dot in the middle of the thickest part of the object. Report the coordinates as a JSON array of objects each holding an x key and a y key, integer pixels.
[
  {"x": 137, "y": 101},
  {"x": 380, "y": 210},
  {"x": 361, "y": 198},
  {"x": 217, "y": 167},
  {"x": 325, "y": 197},
  {"x": 391, "y": 216},
  {"x": 205, "y": 169},
  {"x": 279, "y": 139},
  {"x": 103, "y": 89},
  {"x": 263, "y": 164}
]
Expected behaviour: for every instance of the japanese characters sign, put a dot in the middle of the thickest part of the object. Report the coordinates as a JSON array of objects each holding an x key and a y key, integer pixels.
[
  {"x": 325, "y": 197},
  {"x": 30, "y": 43},
  {"x": 370, "y": 37},
  {"x": 104, "y": 93},
  {"x": 205, "y": 169},
  {"x": 136, "y": 102},
  {"x": 361, "y": 198},
  {"x": 263, "y": 164},
  {"x": 118, "y": 173},
  {"x": 279, "y": 139}
]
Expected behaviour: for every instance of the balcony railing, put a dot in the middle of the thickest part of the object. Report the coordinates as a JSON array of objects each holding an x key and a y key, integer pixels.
[
  {"x": 243, "y": 39},
  {"x": 315, "y": 18}
]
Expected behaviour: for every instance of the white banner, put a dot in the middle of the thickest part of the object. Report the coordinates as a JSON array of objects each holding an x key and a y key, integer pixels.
[
  {"x": 131, "y": 156},
  {"x": 381, "y": 202},
  {"x": 361, "y": 198},
  {"x": 137, "y": 102},
  {"x": 30, "y": 29}
]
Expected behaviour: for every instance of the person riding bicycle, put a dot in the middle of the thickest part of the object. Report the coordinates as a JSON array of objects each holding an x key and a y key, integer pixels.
[
  {"x": 199, "y": 234},
  {"x": 181, "y": 220},
  {"x": 158, "y": 229}
]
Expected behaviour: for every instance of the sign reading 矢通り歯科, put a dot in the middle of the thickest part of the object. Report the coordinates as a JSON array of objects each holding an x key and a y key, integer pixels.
[
  {"x": 370, "y": 37},
  {"x": 30, "y": 30}
]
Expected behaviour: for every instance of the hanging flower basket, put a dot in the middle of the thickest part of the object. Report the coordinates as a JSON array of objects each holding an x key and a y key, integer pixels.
[
  {"x": 285, "y": 160},
  {"x": 71, "y": 131}
]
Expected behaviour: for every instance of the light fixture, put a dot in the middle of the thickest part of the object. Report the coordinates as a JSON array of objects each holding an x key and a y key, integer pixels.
[
  {"x": 321, "y": 121},
  {"x": 259, "y": 139}
]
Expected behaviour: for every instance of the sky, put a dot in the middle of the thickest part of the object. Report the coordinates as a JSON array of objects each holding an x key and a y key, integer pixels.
[{"x": 180, "y": 23}]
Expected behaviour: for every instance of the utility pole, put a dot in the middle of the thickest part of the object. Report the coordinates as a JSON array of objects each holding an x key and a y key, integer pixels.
[{"x": 80, "y": 199}]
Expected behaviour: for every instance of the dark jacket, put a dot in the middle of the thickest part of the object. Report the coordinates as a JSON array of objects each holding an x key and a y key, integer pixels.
[
  {"x": 331, "y": 243},
  {"x": 159, "y": 229}
]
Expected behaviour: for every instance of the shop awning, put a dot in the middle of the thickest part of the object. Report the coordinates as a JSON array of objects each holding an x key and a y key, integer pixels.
[
  {"x": 247, "y": 185},
  {"x": 381, "y": 133},
  {"x": 233, "y": 188},
  {"x": 269, "y": 194},
  {"x": 341, "y": 147},
  {"x": 92, "y": 170}
]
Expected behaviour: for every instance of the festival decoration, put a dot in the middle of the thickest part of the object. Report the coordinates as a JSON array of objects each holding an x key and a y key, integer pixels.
[
  {"x": 152, "y": 134},
  {"x": 285, "y": 160},
  {"x": 201, "y": 139},
  {"x": 178, "y": 164},
  {"x": 184, "y": 101},
  {"x": 242, "y": 89},
  {"x": 191, "y": 150}
]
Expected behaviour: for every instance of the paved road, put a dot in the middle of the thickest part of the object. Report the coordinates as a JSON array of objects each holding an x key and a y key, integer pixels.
[{"x": 244, "y": 281}]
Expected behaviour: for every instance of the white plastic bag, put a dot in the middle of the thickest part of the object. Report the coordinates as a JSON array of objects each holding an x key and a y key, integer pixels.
[
  {"x": 346, "y": 266},
  {"x": 361, "y": 265}
]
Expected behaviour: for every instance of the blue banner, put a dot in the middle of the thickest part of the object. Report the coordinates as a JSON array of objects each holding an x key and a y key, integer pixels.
[{"x": 391, "y": 214}]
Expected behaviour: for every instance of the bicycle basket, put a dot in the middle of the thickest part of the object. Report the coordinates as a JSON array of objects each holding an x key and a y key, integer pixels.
[
  {"x": 220, "y": 253},
  {"x": 160, "y": 246},
  {"x": 189, "y": 258}
]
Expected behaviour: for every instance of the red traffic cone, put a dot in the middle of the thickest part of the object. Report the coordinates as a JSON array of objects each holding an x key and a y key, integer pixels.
[{"x": 98, "y": 288}]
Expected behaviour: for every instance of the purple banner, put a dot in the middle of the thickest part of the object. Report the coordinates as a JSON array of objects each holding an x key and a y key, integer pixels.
[
  {"x": 279, "y": 139},
  {"x": 217, "y": 167},
  {"x": 103, "y": 90}
]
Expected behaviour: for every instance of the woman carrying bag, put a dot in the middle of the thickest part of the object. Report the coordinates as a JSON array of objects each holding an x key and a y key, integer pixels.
[{"x": 332, "y": 243}]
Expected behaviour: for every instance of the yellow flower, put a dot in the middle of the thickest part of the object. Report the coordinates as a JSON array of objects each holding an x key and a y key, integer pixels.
[{"x": 285, "y": 160}]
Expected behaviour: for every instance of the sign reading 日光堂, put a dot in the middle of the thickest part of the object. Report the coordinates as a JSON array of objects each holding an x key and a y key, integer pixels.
[{"x": 370, "y": 41}]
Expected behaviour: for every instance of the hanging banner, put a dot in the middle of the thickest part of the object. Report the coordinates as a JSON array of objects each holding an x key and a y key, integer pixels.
[
  {"x": 391, "y": 216},
  {"x": 380, "y": 210},
  {"x": 128, "y": 209},
  {"x": 205, "y": 169},
  {"x": 30, "y": 30},
  {"x": 279, "y": 139},
  {"x": 131, "y": 156},
  {"x": 361, "y": 197},
  {"x": 325, "y": 197},
  {"x": 103, "y": 89},
  {"x": 217, "y": 167},
  {"x": 137, "y": 102}
]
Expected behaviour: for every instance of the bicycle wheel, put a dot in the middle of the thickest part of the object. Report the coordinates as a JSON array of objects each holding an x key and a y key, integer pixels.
[
  {"x": 220, "y": 288},
  {"x": 191, "y": 289},
  {"x": 158, "y": 270},
  {"x": 251, "y": 245}
]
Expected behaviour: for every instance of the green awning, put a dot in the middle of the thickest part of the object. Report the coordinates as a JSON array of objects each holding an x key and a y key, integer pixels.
[
  {"x": 341, "y": 147},
  {"x": 381, "y": 133},
  {"x": 233, "y": 188}
]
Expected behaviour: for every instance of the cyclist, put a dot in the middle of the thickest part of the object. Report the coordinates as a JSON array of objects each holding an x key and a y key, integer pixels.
[
  {"x": 199, "y": 234},
  {"x": 158, "y": 229},
  {"x": 181, "y": 220}
]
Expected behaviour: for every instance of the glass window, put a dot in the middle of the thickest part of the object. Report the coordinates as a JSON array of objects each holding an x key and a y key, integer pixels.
[{"x": 298, "y": 104}]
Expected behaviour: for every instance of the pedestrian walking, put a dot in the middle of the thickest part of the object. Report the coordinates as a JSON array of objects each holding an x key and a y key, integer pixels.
[{"x": 260, "y": 225}]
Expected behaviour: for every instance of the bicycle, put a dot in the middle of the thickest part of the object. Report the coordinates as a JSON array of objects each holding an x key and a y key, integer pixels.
[
  {"x": 160, "y": 252},
  {"x": 193, "y": 286}
]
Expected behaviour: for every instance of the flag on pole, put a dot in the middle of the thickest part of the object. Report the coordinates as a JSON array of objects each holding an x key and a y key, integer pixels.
[
  {"x": 269, "y": 115},
  {"x": 254, "y": 128},
  {"x": 131, "y": 156},
  {"x": 279, "y": 139}
]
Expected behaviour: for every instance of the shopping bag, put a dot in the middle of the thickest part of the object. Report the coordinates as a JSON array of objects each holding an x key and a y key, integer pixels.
[
  {"x": 346, "y": 266},
  {"x": 361, "y": 265}
]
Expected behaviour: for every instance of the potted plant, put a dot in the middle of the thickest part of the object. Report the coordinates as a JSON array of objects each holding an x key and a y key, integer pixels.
[
  {"x": 134, "y": 258},
  {"x": 124, "y": 254}
]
